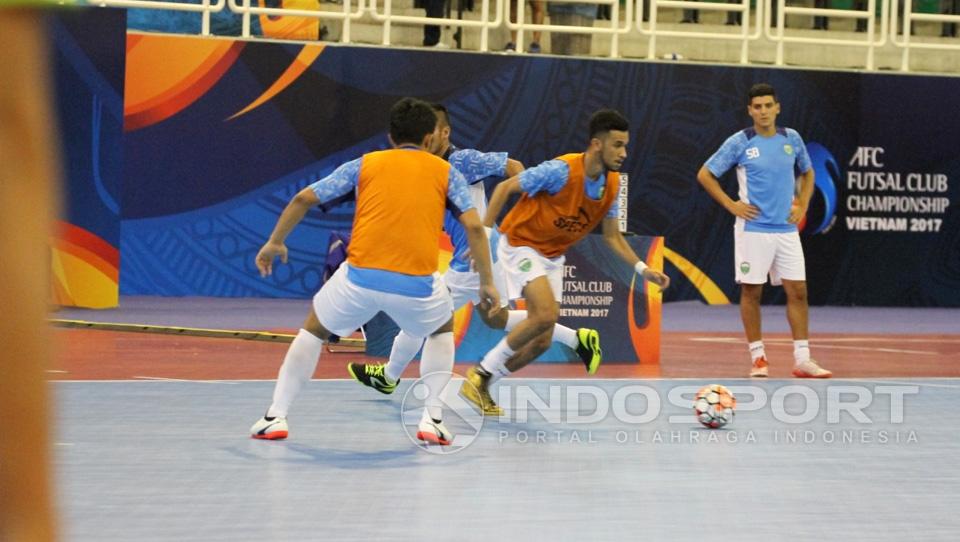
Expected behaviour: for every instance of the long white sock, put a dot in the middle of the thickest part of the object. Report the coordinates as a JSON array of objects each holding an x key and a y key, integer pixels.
[
  {"x": 404, "y": 348},
  {"x": 298, "y": 366},
  {"x": 756, "y": 350},
  {"x": 801, "y": 351},
  {"x": 436, "y": 368},
  {"x": 495, "y": 360},
  {"x": 565, "y": 335},
  {"x": 514, "y": 318}
]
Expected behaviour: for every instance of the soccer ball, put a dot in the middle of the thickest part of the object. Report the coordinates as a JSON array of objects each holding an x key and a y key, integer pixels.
[{"x": 714, "y": 405}]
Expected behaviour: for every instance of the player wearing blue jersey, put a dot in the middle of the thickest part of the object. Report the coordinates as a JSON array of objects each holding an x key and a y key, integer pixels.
[
  {"x": 768, "y": 161},
  {"x": 460, "y": 279}
]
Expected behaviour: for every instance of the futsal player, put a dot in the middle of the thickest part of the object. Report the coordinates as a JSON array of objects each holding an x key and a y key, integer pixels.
[
  {"x": 461, "y": 280},
  {"x": 391, "y": 263},
  {"x": 561, "y": 201},
  {"x": 766, "y": 240}
]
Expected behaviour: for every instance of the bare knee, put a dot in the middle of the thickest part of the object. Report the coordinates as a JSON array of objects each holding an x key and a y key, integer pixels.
[
  {"x": 544, "y": 318},
  {"x": 497, "y": 321},
  {"x": 751, "y": 293},
  {"x": 313, "y": 326},
  {"x": 796, "y": 293}
]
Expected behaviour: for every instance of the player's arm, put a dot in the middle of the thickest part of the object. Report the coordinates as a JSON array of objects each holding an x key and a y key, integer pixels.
[
  {"x": 799, "y": 208},
  {"x": 342, "y": 181},
  {"x": 737, "y": 208},
  {"x": 461, "y": 206},
  {"x": 499, "y": 198},
  {"x": 616, "y": 242},
  {"x": 514, "y": 167}
]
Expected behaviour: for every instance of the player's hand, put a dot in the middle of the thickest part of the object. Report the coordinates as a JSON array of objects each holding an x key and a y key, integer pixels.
[
  {"x": 797, "y": 212},
  {"x": 656, "y": 277},
  {"x": 267, "y": 253},
  {"x": 489, "y": 299},
  {"x": 744, "y": 210}
]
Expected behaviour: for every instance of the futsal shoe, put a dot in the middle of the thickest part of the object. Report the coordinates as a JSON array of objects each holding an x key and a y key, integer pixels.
[
  {"x": 588, "y": 348},
  {"x": 433, "y": 432},
  {"x": 810, "y": 369},
  {"x": 269, "y": 429},
  {"x": 476, "y": 390},
  {"x": 760, "y": 368},
  {"x": 372, "y": 376}
]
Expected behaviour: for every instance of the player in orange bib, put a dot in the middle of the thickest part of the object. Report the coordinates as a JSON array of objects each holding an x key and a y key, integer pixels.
[
  {"x": 391, "y": 266},
  {"x": 561, "y": 201}
]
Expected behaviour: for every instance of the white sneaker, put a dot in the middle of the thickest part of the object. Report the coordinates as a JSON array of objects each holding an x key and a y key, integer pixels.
[
  {"x": 810, "y": 369},
  {"x": 431, "y": 432},
  {"x": 760, "y": 368},
  {"x": 275, "y": 429}
]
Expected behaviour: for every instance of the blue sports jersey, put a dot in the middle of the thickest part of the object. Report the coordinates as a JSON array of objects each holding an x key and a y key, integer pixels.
[
  {"x": 341, "y": 186},
  {"x": 475, "y": 167},
  {"x": 767, "y": 170}
]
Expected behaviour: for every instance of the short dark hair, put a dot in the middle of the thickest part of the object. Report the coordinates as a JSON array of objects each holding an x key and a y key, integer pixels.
[
  {"x": 438, "y": 109},
  {"x": 605, "y": 120},
  {"x": 411, "y": 120},
  {"x": 760, "y": 89}
]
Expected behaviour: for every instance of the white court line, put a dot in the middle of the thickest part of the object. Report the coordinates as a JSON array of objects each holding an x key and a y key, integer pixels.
[
  {"x": 903, "y": 382},
  {"x": 63, "y": 444},
  {"x": 818, "y": 343},
  {"x": 830, "y": 339},
  {"x": 162, "y": 379},
  {"x": 57, "y": 371}
]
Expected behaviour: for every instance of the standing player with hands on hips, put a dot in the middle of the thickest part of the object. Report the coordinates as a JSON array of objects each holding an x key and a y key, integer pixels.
[{"x": 766, "y": 239}]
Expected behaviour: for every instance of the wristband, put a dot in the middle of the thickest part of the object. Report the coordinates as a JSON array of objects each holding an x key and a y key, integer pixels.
[{"x": 639, "y": 267}]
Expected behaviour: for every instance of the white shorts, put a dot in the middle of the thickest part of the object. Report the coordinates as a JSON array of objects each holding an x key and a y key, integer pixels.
[
  {"x": 757, "y": 254},
  {"x": 464, "y": 286},
  {"x": 342, "y": 307},
  {"x": 520, "y": 265}
]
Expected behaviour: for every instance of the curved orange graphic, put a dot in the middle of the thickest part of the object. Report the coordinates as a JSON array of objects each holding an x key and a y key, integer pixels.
[
  {"x": 304, "y": 59},
  {"x": 711, "y": 293},
  {"x": 85, "y": 269},
  {"x": 165, "y": 74},
  {"x": 645, "y": 335}
]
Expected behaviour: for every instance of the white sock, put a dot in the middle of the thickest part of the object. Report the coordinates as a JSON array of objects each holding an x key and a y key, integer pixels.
[
  {"x": 495, "y": 360},
  {"x": 404, "y": 348},
  {"x": 565, "y": 335},
  {"x": 514, "y": 318},
  {"x": 298, "y": 366},
  {"x": 502, "y": 371},
  {"x": 436, "y": 368},
  {"x": 801, "y": 351},
  {"x": 756, "y": 350}
]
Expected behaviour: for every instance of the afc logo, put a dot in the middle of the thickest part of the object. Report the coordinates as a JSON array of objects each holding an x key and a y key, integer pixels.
[
  {"x": 867, "y": 157},
  {"x": 752, "y": 153}
]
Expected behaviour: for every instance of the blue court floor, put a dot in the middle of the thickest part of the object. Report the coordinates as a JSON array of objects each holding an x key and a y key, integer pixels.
[{"x": 573, "y": 460}]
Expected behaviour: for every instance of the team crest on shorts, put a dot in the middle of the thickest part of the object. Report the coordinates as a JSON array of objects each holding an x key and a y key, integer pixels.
[
  {"x": 788, "y": 148},
  {"x": 525, "y": 265},
  {"x": 745, "y": 267}
]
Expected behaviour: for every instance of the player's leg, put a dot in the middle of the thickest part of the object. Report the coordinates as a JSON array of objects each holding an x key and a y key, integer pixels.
[
  {"x": 584, "y": 341},
  {"x": 789, "y": 265},
  {"x": 339, "y": 307},
  {"x": 431, "y": 317},
  {"x": 753, "y": 258}
]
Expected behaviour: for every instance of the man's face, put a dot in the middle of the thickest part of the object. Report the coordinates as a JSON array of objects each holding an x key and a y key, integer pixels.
[
  {"x": 613, "y": 149},
  {"x": 764, "y": 110},
  {"x": 440, "y": 139}
]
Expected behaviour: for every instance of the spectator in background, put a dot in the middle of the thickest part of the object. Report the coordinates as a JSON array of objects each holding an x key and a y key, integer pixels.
[
  {"x": 693, "y": 16},
  {"x": 949, "y": 7},
  {"x": 536, "y": 15},
  {"x": 571, "y": 14},
  {"x": 431, "y": 32}
]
